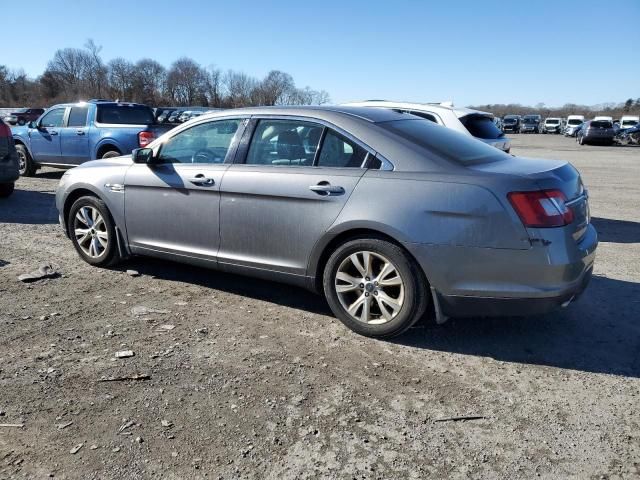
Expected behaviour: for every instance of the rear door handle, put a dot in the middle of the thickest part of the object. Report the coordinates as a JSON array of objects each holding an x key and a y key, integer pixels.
[
  {"x": 326, "y": 189},
  {"x": 79, "y": 132},
  {"x": 202, "y": 180}
]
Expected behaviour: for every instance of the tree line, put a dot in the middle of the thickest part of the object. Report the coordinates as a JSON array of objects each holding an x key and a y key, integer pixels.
[
  {"x": 615, "y": 110},
  {"x": 75, "y": 74}
]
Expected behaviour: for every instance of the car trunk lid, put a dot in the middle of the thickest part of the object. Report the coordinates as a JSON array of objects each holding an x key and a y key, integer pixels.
[{"x": 549, "y": 175}]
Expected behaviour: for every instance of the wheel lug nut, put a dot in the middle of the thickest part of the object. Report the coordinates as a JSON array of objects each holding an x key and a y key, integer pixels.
[
  {"x": 366, "y": 294},
  {"x": 376, "y": 292},
  {"x": 367, "y": 279},
  {"x": 362, "y": 285}
]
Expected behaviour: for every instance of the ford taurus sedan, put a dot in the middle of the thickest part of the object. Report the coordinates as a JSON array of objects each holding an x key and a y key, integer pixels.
[{"x": 387, "y": 214}]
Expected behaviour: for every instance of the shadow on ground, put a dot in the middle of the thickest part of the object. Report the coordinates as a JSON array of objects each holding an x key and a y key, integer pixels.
[
  {"x": 28, "y": 207},
  {"x": 616, "y": 231},
  {"x": 599, "y": 333},
  {"x": 272, "y": 292}
]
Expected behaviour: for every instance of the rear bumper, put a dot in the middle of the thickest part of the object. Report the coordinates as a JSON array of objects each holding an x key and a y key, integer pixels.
[{"x": 471, "y": 281}]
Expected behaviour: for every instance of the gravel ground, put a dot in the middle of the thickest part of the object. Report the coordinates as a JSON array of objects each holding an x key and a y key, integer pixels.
[{"x": 249, "y": 379}]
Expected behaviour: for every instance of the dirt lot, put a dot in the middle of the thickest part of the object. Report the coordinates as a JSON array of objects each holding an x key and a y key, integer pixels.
[{"x": 257, "y": 380}]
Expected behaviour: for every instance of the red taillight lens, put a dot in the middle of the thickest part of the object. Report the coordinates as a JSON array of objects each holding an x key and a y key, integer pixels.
[
  {"x": 145, "y": 138},
  {"x": 541, "y": 209}
]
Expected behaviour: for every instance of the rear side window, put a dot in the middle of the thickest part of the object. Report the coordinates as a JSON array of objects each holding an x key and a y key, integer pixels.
[
  {"x": 78, "y": 117},
  {"x": 481, "y": 127},
  {"x": 454, "y": 146},
  {"x": 284, "y": 142},
  {"x": 337, "y": 151},
  {"x": 125, "y": 114}
]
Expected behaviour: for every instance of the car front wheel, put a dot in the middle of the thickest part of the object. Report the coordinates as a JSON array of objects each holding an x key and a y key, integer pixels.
[
  {"x": 375, "y": 288},
  {"x": 92, "y": 231},
  {"x": 26, "y": 167},
  {"x": 6, "y": 189}
]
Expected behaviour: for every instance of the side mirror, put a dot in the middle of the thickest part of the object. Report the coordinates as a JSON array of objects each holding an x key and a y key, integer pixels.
[{"x": 143, "y": 155}]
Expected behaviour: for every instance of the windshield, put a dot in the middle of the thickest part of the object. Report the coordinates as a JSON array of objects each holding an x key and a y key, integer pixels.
[
  {"x": 530, "y": 120},
  {"x": 454, "y": 146},
  {"x": 510, "y": 120},
  {"x": 125, "y": 114},
  {"x": 574, "y": 121},
  {"x": 629, "y": 123},
  {"x": 481, "y": 126},
  {"x": 552, "y": 121}
]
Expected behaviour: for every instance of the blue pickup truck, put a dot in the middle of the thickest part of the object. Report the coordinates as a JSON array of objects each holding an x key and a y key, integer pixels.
[{"x": 69, "y": 134}]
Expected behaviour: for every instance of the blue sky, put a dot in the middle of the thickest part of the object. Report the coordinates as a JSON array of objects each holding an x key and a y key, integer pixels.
[{"x": 471, "y": 52}]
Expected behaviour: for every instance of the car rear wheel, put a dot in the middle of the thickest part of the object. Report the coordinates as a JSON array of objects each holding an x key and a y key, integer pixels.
[
  {"x": 6, "y": 189},
  {"x": 111, "y": 154},
  {"x": 374, "y": 287},
  {"x": 93, "y": 232},
  {"x": 25, "y": 162}
]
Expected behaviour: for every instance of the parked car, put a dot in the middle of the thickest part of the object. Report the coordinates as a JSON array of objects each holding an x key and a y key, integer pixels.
[
  {"x": 464, "y": 120},
  {"x": 23, "y": 116},
  {"x": 173, "y": 117},
  {"x": 573, "y": 124},
  {"x": 8, "y": 161},
  {"x": 530, "y": 124},
  {"x": 596, "y": 131},
  {"x": 605, "y": 118},
  {"x": 163, "y": 114},
  {"x": 553, "y": 125},
  {"x": 382, "y": 211},
  {"x": 511, "y": 123},
  {"x": 628, "y": 121},
  {"x": 70, "y": 134}
]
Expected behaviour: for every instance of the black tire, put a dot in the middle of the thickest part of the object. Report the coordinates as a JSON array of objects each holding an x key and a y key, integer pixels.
[
  {"x": 581, "y": 140},
  {"x": 21, "y": 121},
  {"x": 6, "y": 189},
  {"x": 415, "y": 300},
  {"x": 110, "y": 255},
  {"x": 27, "y": 167},
  {"x": 111, "y": 154}
]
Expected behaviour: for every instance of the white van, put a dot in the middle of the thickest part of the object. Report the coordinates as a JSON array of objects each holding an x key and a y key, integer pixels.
[
  {"x": 573, "y": 122},
  {"x": 628, "y": 121},
  {"x": 604, "y": 118}
]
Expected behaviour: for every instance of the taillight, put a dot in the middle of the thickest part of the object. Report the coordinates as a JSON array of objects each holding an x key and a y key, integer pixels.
[
  {"x": 541, "y": 209},
  {"x": 145, "y": 138}
]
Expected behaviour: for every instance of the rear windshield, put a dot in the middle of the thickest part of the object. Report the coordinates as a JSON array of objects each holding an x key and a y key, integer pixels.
[
  {"x": 601, "y": 124},
  {"x": 481, "y": 127},
  {"x": 454, "y": 146},
  {"x": 552, "y": 121},
  {"x": 125, "y": 114},
  {"x": 574, "y": 121},
  {"x": 629, "y": 123}
]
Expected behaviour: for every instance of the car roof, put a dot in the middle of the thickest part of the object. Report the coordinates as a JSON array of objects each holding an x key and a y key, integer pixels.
[
  {"x": 324, "y": 112},
  {"x": 431, "y": 107},
  {"x": 99, "y": 102}
]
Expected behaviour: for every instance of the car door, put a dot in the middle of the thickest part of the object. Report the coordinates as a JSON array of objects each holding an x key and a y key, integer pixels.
[
  {"x": 172, "y": 207},
  {"x": 74, "y": 137},
  {"x": 294, "y": 179},
  {"x": 45, "y": 139}
]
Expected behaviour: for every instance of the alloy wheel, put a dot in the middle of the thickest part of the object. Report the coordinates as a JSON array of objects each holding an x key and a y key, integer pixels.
[
  {"x": 90, "y": 232},
  {"x": 22, "y": 162},
  {"x": 369, "y": 287}
]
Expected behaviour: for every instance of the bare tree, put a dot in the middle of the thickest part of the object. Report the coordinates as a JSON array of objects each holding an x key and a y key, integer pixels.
[
  {"x": 186, "y": 81},
  {"x": 239, "y": 88},
  {"x": 120, "y": 75}
]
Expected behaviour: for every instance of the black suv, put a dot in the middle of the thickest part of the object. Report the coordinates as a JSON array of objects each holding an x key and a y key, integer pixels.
[{"x": 511, "y": 123}]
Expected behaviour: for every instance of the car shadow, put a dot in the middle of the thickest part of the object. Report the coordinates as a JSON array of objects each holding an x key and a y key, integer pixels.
[
  {"x": 599, "y": 333},
  {"x": 280, "y": 294},
  {"x": 29, "y": 207},
  {"x": 54, "y": 174},
  {"x": 616, "y": 231}
]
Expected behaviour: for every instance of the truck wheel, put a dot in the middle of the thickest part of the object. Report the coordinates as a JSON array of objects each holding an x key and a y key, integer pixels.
[
  {"x": 6, "y": 189},
  {"x": 111, "y": 154},
  {"x": 21, "y": 121},
  {"x": 26, "y": 168}
]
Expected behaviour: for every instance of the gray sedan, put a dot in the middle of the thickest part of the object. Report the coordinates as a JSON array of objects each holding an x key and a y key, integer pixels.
[{"x": 387, "y": 214}]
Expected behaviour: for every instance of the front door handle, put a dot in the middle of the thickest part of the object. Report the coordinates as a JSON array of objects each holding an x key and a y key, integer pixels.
[
  {"x": 52, "y": 132},
  {"x": 326, "y": 189},
  {"x": 79, "y": 132},
  {"x": 202, "y": 180}
]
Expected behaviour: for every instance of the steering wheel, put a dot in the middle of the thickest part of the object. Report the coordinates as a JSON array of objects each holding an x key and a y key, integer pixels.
[{"x": 204, "y": 155}]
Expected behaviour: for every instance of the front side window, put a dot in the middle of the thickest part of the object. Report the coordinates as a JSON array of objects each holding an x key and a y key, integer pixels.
[
  {"x": 53, "y": 119},
  {"x": 205, "y": 143},
  {"x": 284, "y": 142},
  {"x": 337, "y": 151},
  {"x": 78, "y": 117}
]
